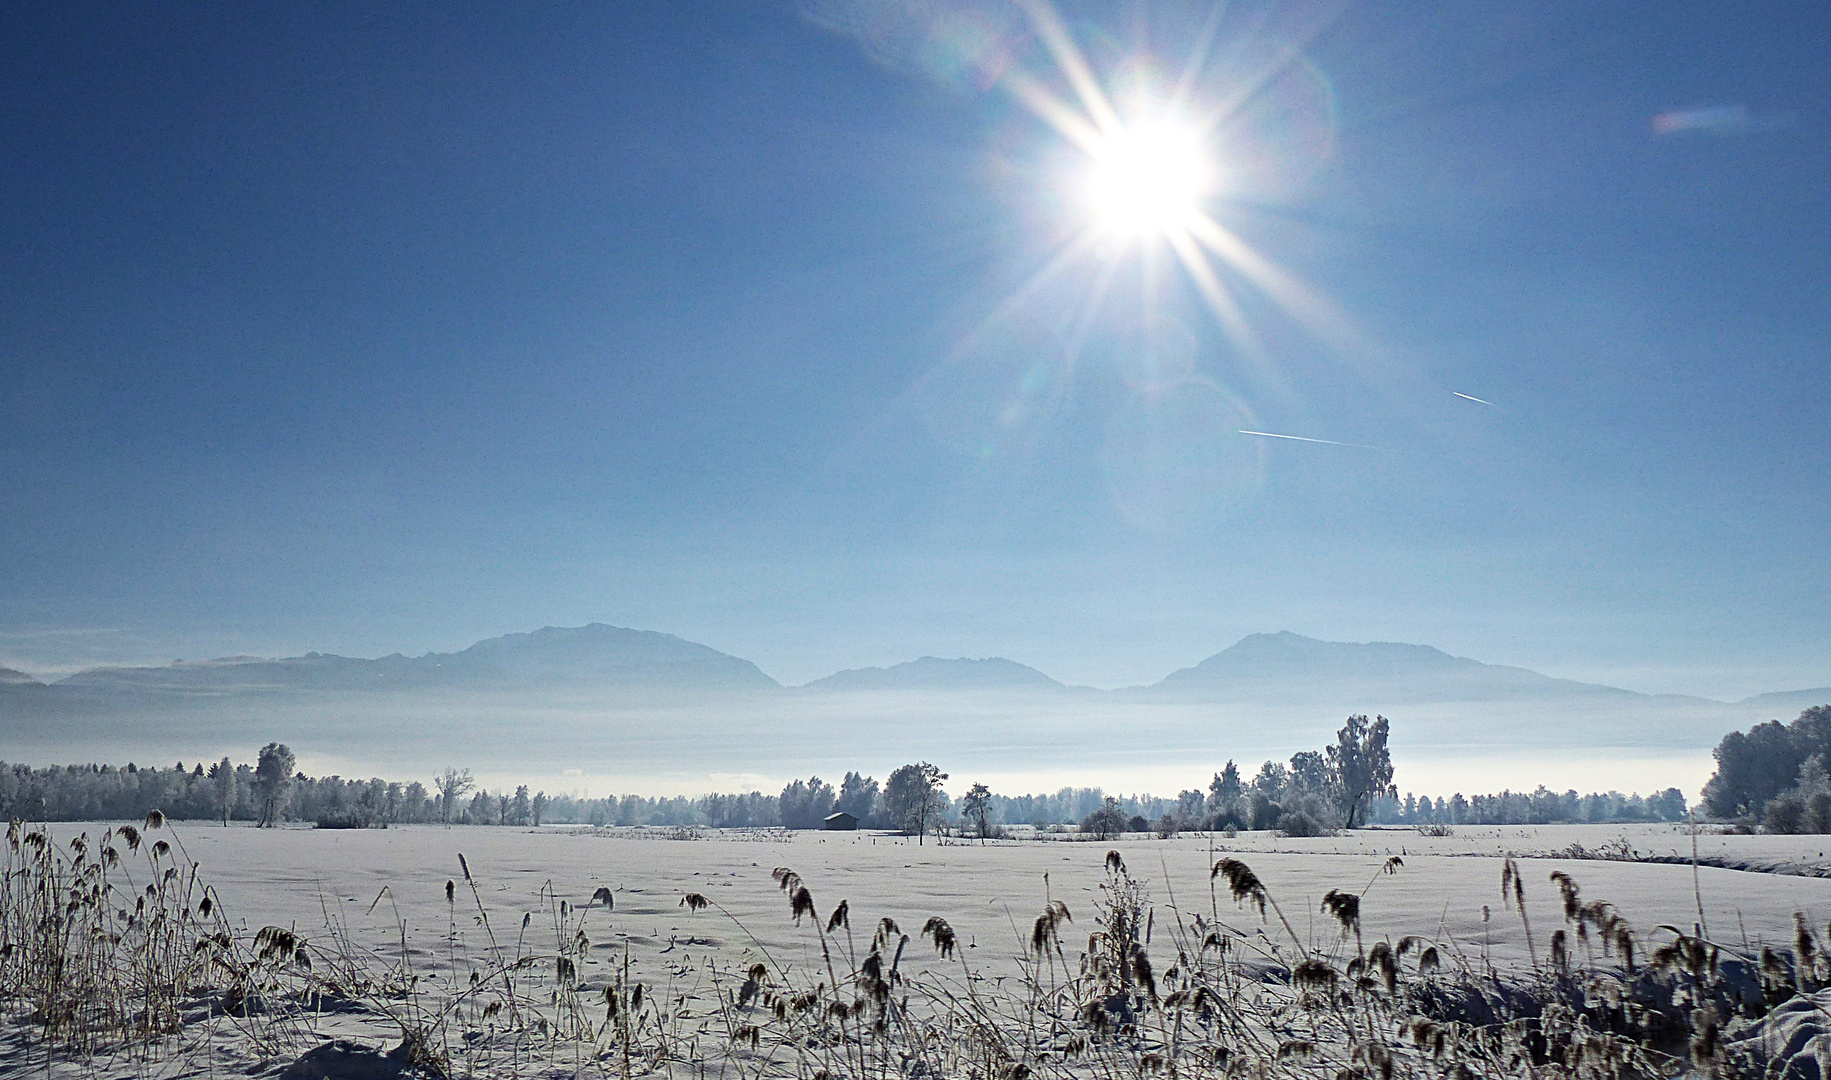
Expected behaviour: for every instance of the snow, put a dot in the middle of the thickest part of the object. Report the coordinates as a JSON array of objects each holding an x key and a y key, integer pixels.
[{"x": 990, "y": 893}]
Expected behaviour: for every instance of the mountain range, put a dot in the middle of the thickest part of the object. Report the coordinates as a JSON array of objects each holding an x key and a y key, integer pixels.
[
  {"x": 597, "y": 656},
  {"x": 594, "y": 655},
  {"x": 602, "y": 700}
]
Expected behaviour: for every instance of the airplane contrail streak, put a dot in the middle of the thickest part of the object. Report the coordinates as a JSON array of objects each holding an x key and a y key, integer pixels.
[
  {"x": 1304, "y": 438},
  {"x": 1472, "y": 397}
]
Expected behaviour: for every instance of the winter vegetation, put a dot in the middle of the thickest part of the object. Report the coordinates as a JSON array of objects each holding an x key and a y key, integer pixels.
[
  {"x": 114, "y": 947},
  {"x": 1345, "y": 785},
  {"x": 121, "y": 957},
  {"x": 1773, "y": 775}
]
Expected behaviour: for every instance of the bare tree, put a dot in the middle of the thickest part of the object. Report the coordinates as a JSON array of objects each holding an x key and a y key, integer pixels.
[
  {"x": 224, "y": 775},
  {"x": 452, "y": 784},
  {"x": 976, "y": 807},
  {"x": 1107, "y": 821}
]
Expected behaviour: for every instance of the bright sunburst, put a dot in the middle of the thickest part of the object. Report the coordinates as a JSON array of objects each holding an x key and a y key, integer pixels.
[
  {"x": 1148, "y": 173},
  {"x": 1148, "y": 179}
]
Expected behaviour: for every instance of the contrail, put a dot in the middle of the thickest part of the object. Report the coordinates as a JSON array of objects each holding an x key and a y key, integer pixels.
[
  {"x": 1472, "y": 397},
  {"x": 1302, "y": 438}
]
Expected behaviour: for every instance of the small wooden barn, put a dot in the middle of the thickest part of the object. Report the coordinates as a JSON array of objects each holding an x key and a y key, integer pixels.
[{"x": 841, "y": 820}]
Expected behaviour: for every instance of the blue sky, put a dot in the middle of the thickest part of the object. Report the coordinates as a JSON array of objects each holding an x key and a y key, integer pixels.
[{"x": 370, "y": 329}]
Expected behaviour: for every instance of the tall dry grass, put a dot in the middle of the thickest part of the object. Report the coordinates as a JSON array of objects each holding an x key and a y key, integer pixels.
[{"x": 114, "y": 942}]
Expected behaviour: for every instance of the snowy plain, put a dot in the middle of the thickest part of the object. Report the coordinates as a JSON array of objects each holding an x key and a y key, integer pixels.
[
  {"x": 386, "y": 890},
  {"x": 992, "y": 891}
]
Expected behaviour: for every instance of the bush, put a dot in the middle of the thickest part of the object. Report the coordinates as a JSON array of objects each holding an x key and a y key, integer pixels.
[
  {"x": 1107, "y": 821},
  {"x": 1436, "y": 828},
  {"x": 1226, "y": 819},
  {"x": 1265, "y": 813},
  {"x": 1300, "y": 823},
  {"x": 1786, "y": 814},
  {"x": 1818, "y": 813},
  {"x": 348, "y": 821}
]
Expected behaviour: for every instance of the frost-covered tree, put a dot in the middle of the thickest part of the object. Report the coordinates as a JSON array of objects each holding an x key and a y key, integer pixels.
[
  {"x": 1755, "y": 766},
  {"x": 1224, "y": 791},
  {"x": 1107, "y": 821},
  {"x": 273, "y": 772},
  {"x": 913, "y": 799},
  {"x": 858, "y": 796},
  {"x": 452, "y": 785},
  {"x": 806, "y": 805},
  {"x": 223, "y": 775},
  {"x": 976, "y": 808},
  {"x": 1358, "y": 766}
]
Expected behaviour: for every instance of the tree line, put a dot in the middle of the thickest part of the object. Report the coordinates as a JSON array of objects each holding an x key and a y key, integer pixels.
[
  {"x": 1345, "y": 784},
  {"x": 272, "y": 790}
]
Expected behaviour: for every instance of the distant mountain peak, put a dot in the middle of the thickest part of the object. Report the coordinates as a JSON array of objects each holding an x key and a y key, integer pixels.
[
  {"x": 1790, "y": 699},
  {"x": 598, "y": 649},
  {"x": 936, "y": 673},
  {"x": 573, "y": 656},
  {"x": 10, "y": 677},
  {"x": 1366, "y": 674},
  {"x": 1287, "y": 645},
  {"x": 224, "y": 661}
]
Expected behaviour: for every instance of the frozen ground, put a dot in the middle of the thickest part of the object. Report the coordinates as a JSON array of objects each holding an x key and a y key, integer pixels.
[{"x": 990, "y": 893}]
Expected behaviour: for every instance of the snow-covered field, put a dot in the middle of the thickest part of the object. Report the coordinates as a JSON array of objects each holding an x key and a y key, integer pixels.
[
  {"x": 370, "y": 883},
  {"x": 989, "y": 892}
]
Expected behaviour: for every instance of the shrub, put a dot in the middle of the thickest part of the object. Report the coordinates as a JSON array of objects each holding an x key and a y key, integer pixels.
[
  {"x": 1786, "y": 814},
  {"x": 1223, "y": 820},
  {"x": 1818, "y": 813},
  {"x": 348, "y": 821},
  {"x": 1265, "y": 813},
  {"x": 1300, "y": 823},
  {"x": 1107, "y": 821}
]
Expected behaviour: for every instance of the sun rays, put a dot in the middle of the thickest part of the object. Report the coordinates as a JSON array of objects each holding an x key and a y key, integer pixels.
[
  {"x": 1156, "y": 312},
  {"x": 1148, "y": 166}
]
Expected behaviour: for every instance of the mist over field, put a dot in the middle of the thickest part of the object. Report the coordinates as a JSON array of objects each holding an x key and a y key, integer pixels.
[{"x": 602, "y": 709}]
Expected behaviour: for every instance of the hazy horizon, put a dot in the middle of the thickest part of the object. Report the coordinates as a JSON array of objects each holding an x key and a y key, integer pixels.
[
  {"x": 49, "y": 675},
  {"x": 1746, "y": 681},
  {"x": 607, "y": 709}
]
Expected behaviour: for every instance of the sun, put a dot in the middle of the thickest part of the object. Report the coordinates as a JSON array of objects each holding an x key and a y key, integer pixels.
[{"x": 1148, "y": 179}]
